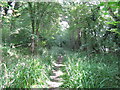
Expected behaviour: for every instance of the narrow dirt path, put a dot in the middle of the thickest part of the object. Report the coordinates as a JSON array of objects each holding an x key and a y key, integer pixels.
[{"x": 56, "y": 81}]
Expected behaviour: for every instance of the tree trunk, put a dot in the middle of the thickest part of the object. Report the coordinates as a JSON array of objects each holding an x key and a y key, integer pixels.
[
  {"x": 79, "y": 37},
  {"x": 31, "y": 11},
  {"x": 37, "y": 26},
  {"x": 72, "y": 41}
]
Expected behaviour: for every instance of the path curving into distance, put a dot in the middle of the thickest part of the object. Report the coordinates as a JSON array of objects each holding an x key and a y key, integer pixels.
[{"x": 55, "y": 80}]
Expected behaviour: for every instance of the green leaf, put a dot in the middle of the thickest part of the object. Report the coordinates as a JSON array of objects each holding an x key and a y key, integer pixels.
[
  {"x": 101, "y": 4},
  {"x": 112, "y": 3},
  {"x": 105, "y": 9},
  {"x": 114, "y": 23},
  {"x": 106, "y": 13}
]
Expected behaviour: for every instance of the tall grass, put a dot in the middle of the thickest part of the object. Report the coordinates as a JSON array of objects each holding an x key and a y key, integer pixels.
[
  {"x": 99, "y": 71},
  {"x": 24, "y": 71},
  {"x": 21, "y": 70}
]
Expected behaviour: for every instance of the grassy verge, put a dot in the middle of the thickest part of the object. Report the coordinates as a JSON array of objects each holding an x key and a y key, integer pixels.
[
  {"x": 97, "y": 71},
  {"x": 24, "y": 71}
]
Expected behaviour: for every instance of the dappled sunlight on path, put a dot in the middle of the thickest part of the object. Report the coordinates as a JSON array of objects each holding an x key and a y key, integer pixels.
[{"x": 56, "y": 81}]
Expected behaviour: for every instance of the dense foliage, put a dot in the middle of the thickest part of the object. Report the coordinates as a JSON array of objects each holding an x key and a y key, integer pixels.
[{"x": 86, "y": 34}]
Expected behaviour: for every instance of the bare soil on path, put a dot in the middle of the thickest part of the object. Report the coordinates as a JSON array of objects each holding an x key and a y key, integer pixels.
[{"x": 55, "y": 80}]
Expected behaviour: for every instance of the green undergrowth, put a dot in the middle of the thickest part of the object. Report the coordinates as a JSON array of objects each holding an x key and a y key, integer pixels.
[
  {"x": 24, "y": 71},
  {"x": 97, "y": 71}
]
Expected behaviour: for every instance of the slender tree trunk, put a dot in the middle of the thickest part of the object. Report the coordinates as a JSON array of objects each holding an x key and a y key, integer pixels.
[
  {"x": 37, "y": 25},
  {"x": 32, "y": 25},
  {"x": 72, "y": 41},
  {"x": 83, "y": 41},
  {"x": 78, "y": 41}
]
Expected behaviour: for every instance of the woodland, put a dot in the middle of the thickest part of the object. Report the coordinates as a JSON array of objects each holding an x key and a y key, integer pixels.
[{"x": 60, "y": 44}]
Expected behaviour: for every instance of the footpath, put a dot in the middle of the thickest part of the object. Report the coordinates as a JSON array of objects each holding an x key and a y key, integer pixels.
[{"x": 55, "y": 80}]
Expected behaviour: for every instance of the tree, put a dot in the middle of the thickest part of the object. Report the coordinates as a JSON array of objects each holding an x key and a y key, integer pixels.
[{"x": 42, "y": 14}]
